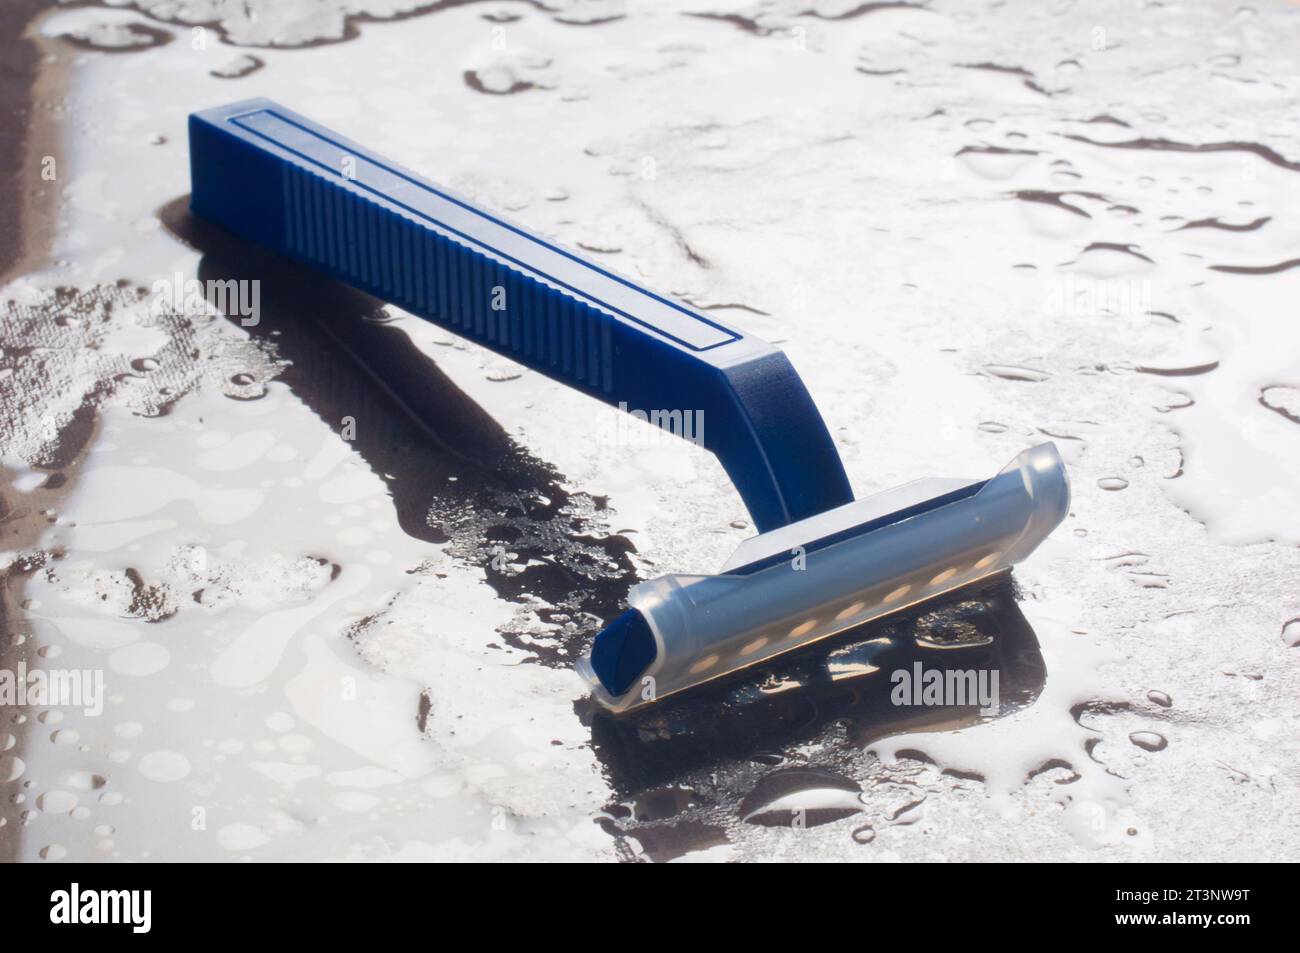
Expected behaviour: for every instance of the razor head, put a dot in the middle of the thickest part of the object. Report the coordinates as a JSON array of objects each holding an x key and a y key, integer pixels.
[{"x": 817, "y": 577}]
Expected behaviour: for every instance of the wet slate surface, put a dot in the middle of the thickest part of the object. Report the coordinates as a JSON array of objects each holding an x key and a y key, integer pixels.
[{"x": 336, "y": 611}]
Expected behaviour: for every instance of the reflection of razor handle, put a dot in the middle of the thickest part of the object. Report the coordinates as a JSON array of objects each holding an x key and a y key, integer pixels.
[{"x": 277, "y": 179}]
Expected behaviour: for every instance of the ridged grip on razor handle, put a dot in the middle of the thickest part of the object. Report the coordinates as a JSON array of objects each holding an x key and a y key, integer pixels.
[{"x": 277, "y": 179}]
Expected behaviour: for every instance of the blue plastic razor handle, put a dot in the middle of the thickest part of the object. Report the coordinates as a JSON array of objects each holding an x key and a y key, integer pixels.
[{"x": 284, "y": 182}]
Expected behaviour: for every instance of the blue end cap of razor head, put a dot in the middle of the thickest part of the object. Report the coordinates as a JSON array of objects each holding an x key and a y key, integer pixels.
[{"x": 622, "y": 651}]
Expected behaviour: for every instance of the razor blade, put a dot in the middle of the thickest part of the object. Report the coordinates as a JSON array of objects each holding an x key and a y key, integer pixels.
[
  {"x": 822, "y": 562},
  {"x": 822, "y": 575}
]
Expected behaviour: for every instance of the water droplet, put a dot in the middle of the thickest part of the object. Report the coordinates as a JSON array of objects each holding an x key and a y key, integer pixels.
[
  {"x": 56, "y": 802},
  {"x": 84, "y": 780},
  {"x": 1282, "y": 400},
  {"x": 164, "y": 766},
  {"x": 1012, "y": 372},
  {"x": 1291, "y": 633},
  {"x": 865, "y": 834},
  {"x": 1112, "y": 483},
  {"x": 801, "y": 797},
  {"x": 241, "y": 837},
  {"x": 1149, "y": 740},
  {"x": 11, "y": 768},
  {"x": 1159, "y": 698},
  {"x": 128, "y": 729},
  {"x": 237, "y": 67},
  {"x": 909, "y": 813}
]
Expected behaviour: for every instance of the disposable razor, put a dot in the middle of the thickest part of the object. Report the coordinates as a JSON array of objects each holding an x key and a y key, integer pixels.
[{"x": 822, "y": 562}]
